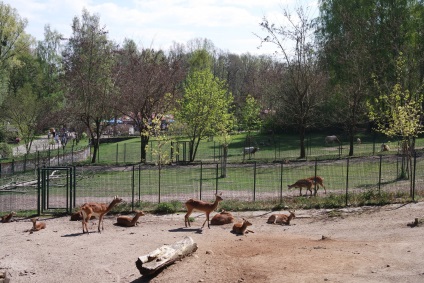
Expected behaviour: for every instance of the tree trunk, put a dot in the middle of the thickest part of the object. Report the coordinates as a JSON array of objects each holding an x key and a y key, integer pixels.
[
  {"x": 302, "y": 142},
  {"x": 224, "y": 161},
  {"x": 156, "y": 260}
]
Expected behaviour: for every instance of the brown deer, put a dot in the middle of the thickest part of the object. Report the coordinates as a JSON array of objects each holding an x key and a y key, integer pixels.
[
  {"x": 303, "y": 183},
  {"x": 281, "y": 218},
  {"x": 98, "y": 210},
  {"x": 8, "y": 217},
  {"x": 240, "y": 228},
  {"x": 202, "y": 206},
  {"x": 128, "y": 221},
  {"x": 37, "y": 226},
  {"x": 222, "y": 218},
  {"x": 318, "y": 181}
]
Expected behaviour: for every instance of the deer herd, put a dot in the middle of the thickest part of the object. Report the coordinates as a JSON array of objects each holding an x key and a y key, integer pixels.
[{"x": 92, "y": 210}]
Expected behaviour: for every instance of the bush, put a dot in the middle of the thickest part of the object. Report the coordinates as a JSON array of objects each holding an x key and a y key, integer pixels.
[
  {"x": 5, "y": 150},
  {"x": 165, "y": 208}
]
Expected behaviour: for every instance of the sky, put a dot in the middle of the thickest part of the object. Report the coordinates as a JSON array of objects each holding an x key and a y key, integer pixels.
[{"x": 230, "y": 24}]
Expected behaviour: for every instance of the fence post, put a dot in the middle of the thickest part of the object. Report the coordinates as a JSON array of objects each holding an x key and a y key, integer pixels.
[
  {"x": 201, "y": 179},
  {"x": 159, "y": 181},
  {"x": 413, "y": 174},
  {"x": 315, "y": 175},
  {"x": 347, "y": 181},
  {"x": 281, "y": 182},
  {"x": 125, "y": 152},
  {"x": 216, "y": 177},
  {"x": 13, "y": 166},
  {"x": 379, "y": 176},
  {"x": 132, "y": 187},
  {"x": 254, "y": 181},
  {"x": 117, "y": 153},
  {"x": 139, "y": 183}
]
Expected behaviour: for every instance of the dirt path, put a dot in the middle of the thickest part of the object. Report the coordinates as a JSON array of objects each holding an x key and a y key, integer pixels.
[{"x": 348, "y": 245}]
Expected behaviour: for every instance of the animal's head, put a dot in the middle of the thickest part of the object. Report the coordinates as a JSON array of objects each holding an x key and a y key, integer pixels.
[
  {"x": 218, "y": 197},
  {"x": 292, "y": 213},
  {"x": 246, "y": 222},
  {"x": 139, "y": 213},
  {"x": 116, "y": 200}
]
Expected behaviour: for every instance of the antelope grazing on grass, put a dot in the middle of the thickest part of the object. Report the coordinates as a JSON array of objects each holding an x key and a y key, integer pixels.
[
  {"x": 303, "y": 183},
  {"x": 331, "y": 139},
  {"x": 8, "y": 217},
  {"x": 202, "y": 206},
  {"x": 222, "y": 218},
  {"x": 128, "y": 221},
  {"x": 318, "y": 181},
  {"x": 281, "y": 218},
  {"x": 240, "y": 228},
  {"x": 98, "y": 210},
  {"x": 37, "y": 226}
]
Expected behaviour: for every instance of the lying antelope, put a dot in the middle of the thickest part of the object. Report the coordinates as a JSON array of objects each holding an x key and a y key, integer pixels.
[
  {"x": 98, "y": 210},
  {"x": 128, "y": 221},
  {"x": 222, "y": 218},
  {"x": 240, "y": 228},
  {"x": 318, "y": 181},
  {"x": 8, "y": 217},
  {"x": 37, "y": 226},
  {"x": 302, "y": 183},
  {"x": 202, "y": 206},
  {"x": 281, "y": 218}
]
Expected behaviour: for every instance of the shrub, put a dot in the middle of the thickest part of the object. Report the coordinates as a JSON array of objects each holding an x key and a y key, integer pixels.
[
  {"x": 5, "y": 150},
  {"x": 165, "y": 208}
]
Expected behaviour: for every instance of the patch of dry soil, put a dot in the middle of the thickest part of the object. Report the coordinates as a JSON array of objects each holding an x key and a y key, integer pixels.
[{"x": 348, "y": 245}]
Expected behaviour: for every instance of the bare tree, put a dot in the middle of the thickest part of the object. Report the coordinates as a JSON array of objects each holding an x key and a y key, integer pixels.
[{"x": 302, "y": 81}]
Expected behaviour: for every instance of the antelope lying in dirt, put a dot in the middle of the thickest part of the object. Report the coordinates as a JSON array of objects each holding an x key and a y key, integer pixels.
[
  {"x": 37, "y": 226},
  {"x": 98, "y": 210},
  {"x": 222, "y": 218},
  {"x": 8, "y": 217},
  {"x": 241, "y": 227},
  {"x": 199, "y": 205},
  {"x": 281, "y": 218},
  {"x": 128, "y": 221}
]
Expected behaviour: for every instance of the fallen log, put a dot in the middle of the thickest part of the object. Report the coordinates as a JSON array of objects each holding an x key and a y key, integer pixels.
[{"x": 158, "y": 259}]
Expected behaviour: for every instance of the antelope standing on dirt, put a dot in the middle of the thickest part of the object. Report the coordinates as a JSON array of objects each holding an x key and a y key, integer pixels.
[
  {"x": 302, "y": 183},
  {"x": 128, "y": 221},
  {"x": 8, "y": 217},
  {"x": 240, "y": 228},
  {"x": 281, "y": 218},
  {"x": 37, "y": 226},
  {"x": 222, "y": 218},
  {"x": 98, "y": 210},
  {"x": 318, "y": 181},
  {"x": 202, "y": 206}
]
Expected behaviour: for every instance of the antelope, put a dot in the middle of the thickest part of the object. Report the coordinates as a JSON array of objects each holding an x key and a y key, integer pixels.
[
  {"x": 385, "y": 147},
  {"x": 331, "y": 139},
  {"x": 202, "y": 206},
  {"x": 222, "y": 218},
  {"x": 98, "y": 210},
  {"x": 318, "y": 181},
  {"x": 240, "y": 228},
  {"x": 128, "y": 221},
  {"x": 6, "y": 218},
  {"x": 303, "y": 183},
  {"x": 37, "y": 226},
  {"x": 281, "y": 218}
]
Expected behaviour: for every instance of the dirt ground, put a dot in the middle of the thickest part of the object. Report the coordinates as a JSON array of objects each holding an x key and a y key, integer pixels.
[{"x": 349, "y": 245}]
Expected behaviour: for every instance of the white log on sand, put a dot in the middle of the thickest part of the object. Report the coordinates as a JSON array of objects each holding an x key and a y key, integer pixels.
[{"x": 156, "y": 260}]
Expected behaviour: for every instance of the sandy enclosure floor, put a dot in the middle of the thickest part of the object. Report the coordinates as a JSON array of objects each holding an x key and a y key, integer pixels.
[{"x": 348, "y": 245}]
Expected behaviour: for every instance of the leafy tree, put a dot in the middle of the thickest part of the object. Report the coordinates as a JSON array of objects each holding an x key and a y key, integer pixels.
[
  {"x": 90, "y": 84},
  {"x": 13, "y": 40},
  {"x": 205, "y": 105},
  {"x": 251, "y": 119},
  {"x": 148, "y": 86},
  {"x": 398, "y": 113}
]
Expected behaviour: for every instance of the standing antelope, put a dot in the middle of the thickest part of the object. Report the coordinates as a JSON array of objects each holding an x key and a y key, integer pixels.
[
  {"x": 281, "y": 218},
  {"x": 98, "y": 210},
  {"x": 37, "y": 226},
  {"x": 202, "y": 206},
  {"x": 303, "y": 183},
  {"x": 240, "y": 228},
  {"x": 6, "y": 218},
  {"x": 318, "y": 181},
  {"x": 129, "y": 221}
]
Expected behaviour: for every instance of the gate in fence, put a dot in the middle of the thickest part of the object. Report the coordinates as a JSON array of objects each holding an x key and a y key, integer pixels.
[{"x": 56, "y": 189}]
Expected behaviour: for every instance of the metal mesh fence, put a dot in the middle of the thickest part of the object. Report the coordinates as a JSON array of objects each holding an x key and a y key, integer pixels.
[{"x": 246, "y": 182}]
